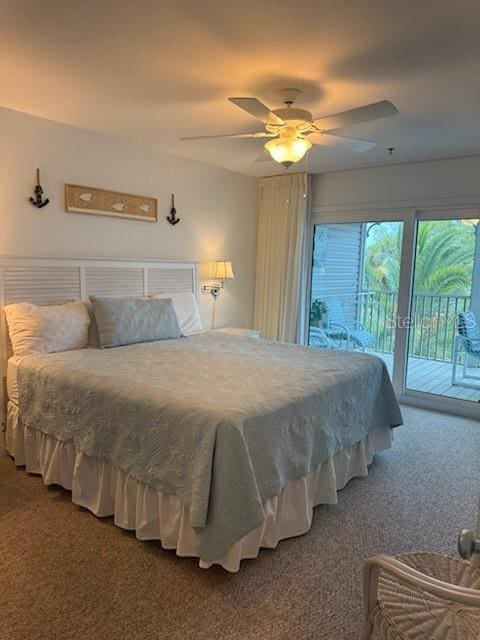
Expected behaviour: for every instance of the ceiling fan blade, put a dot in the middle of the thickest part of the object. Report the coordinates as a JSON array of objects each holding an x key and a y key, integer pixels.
[
  {"x": 264, "y": 157},
  {"x": 341, "y": 142},
  {"x": 257, "y": 109},
  {"x": 375, "y": 111},
  {"x": 256, "y": 134}
]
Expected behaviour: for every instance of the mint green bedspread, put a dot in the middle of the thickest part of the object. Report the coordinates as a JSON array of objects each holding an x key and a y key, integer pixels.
[{"x": 222, "y": 421}]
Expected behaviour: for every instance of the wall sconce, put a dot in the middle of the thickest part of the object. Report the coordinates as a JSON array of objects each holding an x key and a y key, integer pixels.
[{"x": 222, "y": 270}]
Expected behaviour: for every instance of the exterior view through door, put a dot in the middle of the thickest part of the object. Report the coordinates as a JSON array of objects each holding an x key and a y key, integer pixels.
[
  {"x": 354, "y": 298},
  {"x": 444, "y": 332}
]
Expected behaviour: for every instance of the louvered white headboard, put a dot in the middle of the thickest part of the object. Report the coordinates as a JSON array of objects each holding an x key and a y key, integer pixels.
[{"x": 46, "y": 280}]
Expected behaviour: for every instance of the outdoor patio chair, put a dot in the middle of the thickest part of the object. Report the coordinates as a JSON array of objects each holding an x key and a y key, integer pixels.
[
  {"x": 466, "y": 343},
  {"x": 336, "y": 327},
  {"x": 319, "y": 339},
  {"x": 424, "y": 596}
]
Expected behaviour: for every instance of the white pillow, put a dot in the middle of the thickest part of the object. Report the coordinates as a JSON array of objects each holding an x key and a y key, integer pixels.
[
  {"x": 186, "y": 309},
  {"x": 47, "y": 329}
]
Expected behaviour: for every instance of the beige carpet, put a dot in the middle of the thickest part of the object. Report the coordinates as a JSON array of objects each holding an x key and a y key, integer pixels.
[{"x": 65, "y": 574}]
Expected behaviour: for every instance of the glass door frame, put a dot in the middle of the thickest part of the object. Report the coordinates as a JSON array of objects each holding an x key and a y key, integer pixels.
[{"x": 410, "y": 218}]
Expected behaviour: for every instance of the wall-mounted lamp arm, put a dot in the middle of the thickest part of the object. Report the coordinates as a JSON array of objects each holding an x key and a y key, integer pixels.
[{"x": 214, "y": 289}]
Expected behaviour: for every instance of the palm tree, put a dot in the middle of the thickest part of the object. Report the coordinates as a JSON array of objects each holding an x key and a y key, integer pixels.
[
  {"x": 443, "y": 262},
  {"x": 444, "y": 258},
  {"x": 382, "y": 256},
  {"x": 443, "y": 265}
]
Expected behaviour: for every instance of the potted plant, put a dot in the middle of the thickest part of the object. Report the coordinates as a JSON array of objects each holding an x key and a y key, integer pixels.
[{"x": 317, "y": 311}]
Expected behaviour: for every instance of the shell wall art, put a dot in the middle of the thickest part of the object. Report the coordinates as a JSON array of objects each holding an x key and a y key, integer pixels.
[{"x": 101, "y": 202}]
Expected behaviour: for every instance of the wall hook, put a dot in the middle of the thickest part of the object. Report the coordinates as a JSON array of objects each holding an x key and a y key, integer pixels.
[
  {"x": 172, "y": 218},
  {"x": 38, "y": 201}
]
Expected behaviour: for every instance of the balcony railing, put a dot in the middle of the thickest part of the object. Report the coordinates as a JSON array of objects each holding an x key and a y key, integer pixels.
[{"x": 432, "y": 322}]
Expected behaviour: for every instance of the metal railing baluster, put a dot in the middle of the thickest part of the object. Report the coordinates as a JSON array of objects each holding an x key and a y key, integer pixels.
[
  {"x": 431, "y": 343},
  {"x": 429, "y": 332},
  {"x": 437, "y": 332},
  {"x": 445, "y": 334}
]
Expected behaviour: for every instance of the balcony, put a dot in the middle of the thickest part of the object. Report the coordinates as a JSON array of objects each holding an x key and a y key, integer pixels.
[
  {"x": 433, "y": 327},
  {"x": 433, "y": 322},
  {"x": 357, "y": 270},
  {"x": 432, "y": 332}
]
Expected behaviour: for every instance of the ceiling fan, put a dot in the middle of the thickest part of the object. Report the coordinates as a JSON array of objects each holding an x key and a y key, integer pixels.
[{"x": 293, "y": 131}]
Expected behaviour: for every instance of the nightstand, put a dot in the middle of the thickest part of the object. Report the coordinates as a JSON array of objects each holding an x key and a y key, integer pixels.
[{"x": 237, "y": 331}]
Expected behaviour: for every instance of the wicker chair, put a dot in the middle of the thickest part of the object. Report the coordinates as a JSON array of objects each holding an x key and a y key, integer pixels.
[{"x": 424, "y": 596}]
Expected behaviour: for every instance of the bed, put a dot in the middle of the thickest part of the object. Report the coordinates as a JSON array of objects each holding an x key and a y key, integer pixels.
[{"x": 216, "y": 445}]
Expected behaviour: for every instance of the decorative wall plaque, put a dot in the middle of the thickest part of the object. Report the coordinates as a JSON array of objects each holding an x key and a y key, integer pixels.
[{"x": 109, "y": 203}]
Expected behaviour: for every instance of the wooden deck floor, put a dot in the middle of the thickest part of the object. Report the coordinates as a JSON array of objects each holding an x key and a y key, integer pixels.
[{"x": 433, "y": 377}]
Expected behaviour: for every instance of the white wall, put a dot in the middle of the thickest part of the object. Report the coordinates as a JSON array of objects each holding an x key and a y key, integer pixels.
[
  {"x": 439, "y": 182},
  {"x": 217, "y": 207}
]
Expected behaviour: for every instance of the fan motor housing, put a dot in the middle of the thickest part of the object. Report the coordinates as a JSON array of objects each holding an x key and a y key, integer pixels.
[{"x": 293, "y": 116}]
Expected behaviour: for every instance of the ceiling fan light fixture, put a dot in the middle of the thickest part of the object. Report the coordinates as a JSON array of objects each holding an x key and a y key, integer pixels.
[{"x": 288, "y": 151}]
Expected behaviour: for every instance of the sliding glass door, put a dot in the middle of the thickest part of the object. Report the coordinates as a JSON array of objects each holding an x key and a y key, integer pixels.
[
  {"x": 443, "y": 355},
  {"x": 406, "y": 288},
  {"x": 354, "y": 287}
]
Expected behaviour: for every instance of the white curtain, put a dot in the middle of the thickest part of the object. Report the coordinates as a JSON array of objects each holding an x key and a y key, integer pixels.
[{"x": 282, "y": 224}]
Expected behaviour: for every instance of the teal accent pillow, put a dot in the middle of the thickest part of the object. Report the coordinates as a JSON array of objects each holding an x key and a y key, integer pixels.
[{"x": 122, "y": 321}]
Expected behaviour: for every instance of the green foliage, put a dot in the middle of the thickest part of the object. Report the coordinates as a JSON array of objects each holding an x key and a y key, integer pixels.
[
  {"x": 383, "y": 249},
  {"x": 317, "y": 310},
  {"x": 443, "y": 263},
  {"x": 443, "y": 268}
]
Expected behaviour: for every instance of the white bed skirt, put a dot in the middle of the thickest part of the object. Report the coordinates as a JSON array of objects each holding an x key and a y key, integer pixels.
[{"x": 105, "y": 490}]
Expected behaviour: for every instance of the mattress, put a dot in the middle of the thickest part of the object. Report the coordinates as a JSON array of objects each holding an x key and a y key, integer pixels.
[{"x": 12, "y": 378}]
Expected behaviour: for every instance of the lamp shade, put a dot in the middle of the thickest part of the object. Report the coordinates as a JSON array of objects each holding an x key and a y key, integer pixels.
[
  {"x": 287, "y": 151},
  {"x": 222, "y": 270}
]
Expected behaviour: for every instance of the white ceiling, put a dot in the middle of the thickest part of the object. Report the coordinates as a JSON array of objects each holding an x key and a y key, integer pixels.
[{"x": 152, "y": 71}]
